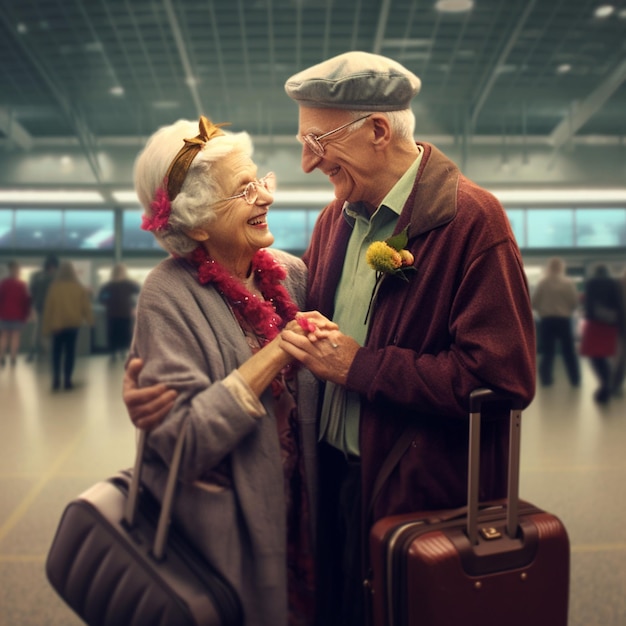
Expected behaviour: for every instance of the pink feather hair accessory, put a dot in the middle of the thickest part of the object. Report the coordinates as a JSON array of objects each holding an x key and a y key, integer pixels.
[{"x": 161, "y": 207}]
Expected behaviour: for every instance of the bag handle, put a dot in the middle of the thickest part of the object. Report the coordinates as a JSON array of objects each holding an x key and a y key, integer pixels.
[
  {"x": 130, "y": 512},
  {"x": 477, "y": 398}
]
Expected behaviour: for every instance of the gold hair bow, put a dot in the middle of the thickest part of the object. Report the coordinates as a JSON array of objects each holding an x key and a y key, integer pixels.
[{"x": 181, "y": 163}]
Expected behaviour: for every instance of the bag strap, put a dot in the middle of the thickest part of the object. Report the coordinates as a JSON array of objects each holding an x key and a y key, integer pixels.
[
  {"x": 391, "y": 460},
  {"x": 130, "y": 512}
]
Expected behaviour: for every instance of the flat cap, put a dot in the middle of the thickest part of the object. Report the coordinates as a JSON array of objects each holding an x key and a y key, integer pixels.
[{"x": 358, "y": 81}]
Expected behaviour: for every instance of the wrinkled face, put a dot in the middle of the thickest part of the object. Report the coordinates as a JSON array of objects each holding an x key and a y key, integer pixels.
[
  {"x": 239, "y": 229},
  {"x": 346, "y": 159}
]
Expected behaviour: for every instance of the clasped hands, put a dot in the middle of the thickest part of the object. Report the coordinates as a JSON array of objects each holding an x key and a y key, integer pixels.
[
  {"x": 320, "y": 346},
  {"x": 311, "y": 338}
]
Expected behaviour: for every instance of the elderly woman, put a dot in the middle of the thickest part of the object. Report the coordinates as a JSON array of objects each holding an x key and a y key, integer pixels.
[{"x": 208, "y": 323}]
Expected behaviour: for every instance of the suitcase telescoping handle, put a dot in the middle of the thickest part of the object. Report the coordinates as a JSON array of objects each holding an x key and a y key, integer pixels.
[
  {"x": 160, "y": 537},
  {"x": 477, "y": 398}
]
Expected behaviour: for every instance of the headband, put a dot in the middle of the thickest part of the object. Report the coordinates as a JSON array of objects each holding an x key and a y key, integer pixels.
[{"x": 161, "y": 206}]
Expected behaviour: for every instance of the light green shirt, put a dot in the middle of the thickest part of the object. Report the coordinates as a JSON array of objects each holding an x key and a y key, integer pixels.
[{"x": 341, "y": 409}]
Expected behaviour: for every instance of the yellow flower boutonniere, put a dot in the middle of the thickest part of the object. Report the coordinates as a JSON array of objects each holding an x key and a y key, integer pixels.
[{"x": 389, "y": 257}]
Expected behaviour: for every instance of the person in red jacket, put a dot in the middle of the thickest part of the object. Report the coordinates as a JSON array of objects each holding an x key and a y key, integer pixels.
[{"x": 14, "y": 312}]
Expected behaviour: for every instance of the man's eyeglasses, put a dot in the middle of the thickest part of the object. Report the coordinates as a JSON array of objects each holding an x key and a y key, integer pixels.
[
  {"x": 251, "y": 192},
  {"x": 313, "y": 141}
]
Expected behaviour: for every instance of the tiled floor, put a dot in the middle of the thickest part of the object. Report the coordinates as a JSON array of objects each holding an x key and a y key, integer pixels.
[{"x": 52, "y": 446}]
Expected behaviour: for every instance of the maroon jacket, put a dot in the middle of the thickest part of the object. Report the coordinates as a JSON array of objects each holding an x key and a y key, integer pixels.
[
  {"x": 14, "y": 300},
  {"x": 463, "y": 321}
]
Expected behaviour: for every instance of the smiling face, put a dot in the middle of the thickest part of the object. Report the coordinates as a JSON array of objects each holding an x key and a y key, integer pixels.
[
  {"x": 238, "y": 229},
  {"x": 348, "y": 158}
]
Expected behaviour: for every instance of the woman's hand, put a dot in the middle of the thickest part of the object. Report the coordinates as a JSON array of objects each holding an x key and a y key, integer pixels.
[
  {"x": 146, "y": 406},
  {"x": 315, "y": 325},
  {"x": 326, "y": 351}
]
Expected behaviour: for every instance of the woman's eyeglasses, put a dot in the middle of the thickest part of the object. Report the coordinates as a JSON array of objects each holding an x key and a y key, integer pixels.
[
  {"x": 313, "y": 141},
  {"x": 251, "y": 192}
]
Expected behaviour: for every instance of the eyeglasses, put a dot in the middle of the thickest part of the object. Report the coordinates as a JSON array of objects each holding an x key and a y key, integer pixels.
[
  {"x": 251, "y": 192},
  {"x": 313, "y": 141}
]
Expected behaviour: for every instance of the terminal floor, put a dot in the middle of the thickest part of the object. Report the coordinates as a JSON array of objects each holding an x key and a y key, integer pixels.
[{"x": 54, "y": 445}]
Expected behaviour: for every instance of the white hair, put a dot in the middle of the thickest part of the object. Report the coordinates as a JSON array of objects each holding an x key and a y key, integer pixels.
[
  {"x": 201, "y": 188},
  {"x": 402, "y": 122}
]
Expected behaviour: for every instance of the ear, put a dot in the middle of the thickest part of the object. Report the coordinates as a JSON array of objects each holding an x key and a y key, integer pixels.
[
  {"x": 197, "y": 234},
  {"x": 382, "y": 130}
]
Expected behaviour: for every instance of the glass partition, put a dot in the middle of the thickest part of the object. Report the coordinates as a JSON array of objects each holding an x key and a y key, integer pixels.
[
  {"x": 89, "y": 230},
  {"x": 600, "y": 228},
  {"x": 133, "y": 237},
  {"x": 6, "y": 228},
  {"x": 550, "y": 228}
]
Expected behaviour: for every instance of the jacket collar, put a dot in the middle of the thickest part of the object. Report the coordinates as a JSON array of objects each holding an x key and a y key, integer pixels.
[{"x": 433, "y": 200}]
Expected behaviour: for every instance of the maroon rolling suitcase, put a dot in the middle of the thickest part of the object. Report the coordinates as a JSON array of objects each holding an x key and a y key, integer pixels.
[{"x": 502, "y": 563}]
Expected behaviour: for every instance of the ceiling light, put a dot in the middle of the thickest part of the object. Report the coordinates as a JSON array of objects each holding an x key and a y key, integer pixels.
[
  {"x": 303, "y": 197},
  {"x": 116, "y": 91},
  {"x": 289, "y": 197},
  {"x": 604, "y": 11},
  {"x": 22, "y": 29},
  {"x": 454, "y": 6},
  {"x": 558, "y": 196},
  {"x": 165, "y": 104},
  {"x": 564, "y": 68},
  {"x": 125, "y": 197},
  {"x": 50, "y": 196}
]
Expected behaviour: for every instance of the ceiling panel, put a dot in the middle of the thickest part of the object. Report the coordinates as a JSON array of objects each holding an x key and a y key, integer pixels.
[{"x": 101, "y": 69}]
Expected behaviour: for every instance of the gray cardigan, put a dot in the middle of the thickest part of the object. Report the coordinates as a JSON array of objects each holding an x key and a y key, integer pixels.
[{"x": 190, "y": 340}]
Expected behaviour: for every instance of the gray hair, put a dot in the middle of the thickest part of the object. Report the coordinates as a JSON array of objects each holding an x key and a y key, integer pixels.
[
  {"x": 202, "y": 186},
  {"x": 402, "y": 122}
]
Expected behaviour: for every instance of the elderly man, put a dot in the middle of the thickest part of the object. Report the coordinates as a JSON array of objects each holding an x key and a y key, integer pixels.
[
  {"x": 415, "y": 336},
  {"x": 402, "y": 372}
]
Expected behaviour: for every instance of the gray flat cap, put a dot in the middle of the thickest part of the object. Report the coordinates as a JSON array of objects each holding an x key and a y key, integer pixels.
[{"x": 357, "y": 81}]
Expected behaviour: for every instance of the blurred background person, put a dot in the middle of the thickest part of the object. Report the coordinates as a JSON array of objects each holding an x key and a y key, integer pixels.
[
  {"x": 14, "y": 312},
  {"x": 619, "y": 372},
  {"x": 67, "y": 306},
  {"x": 39, "y": 284},
  {"x": 603, "y": 318},
  {"x": 555, "y": 300},
  {"x": 119, "y": 297}
]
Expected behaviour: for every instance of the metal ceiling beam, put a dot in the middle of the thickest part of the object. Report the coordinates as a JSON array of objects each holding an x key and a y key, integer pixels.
[
  {"x": 511, "y": 42},
  {"x": 580, "y": 114},
  {"x": 85, "y": 138},
  {"x": 184, "y": 56},
  {"x": 383, "y": 18},
  {"x": 16, "y": 134}
]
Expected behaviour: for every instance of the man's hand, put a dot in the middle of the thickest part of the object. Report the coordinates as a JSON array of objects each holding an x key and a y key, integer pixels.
[
  {"x": 146, "y": 406},
  {"x": 327, "y": 352}
]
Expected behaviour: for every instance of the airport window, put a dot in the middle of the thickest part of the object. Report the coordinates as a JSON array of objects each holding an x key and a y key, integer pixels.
[
  {"x": 600, "y": 228},
  {"x": 550, "y": 228},
  {"x": 38, "y": 228},
  {"x": 133, "y": 237},
  {"x": 516, "y": 218},
  {"x": 6, "y": 228},
  {"x": 89, "y": 230},
  {"x": 290, "y": 229}
]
